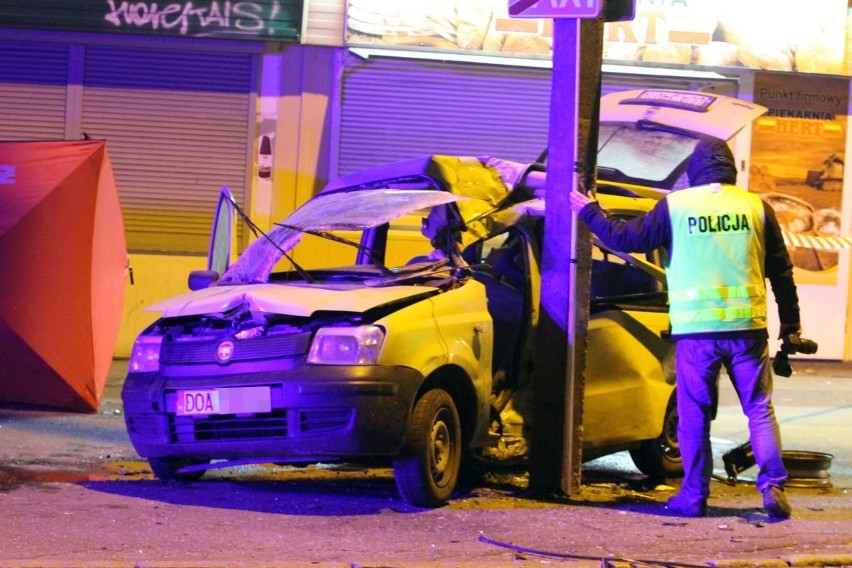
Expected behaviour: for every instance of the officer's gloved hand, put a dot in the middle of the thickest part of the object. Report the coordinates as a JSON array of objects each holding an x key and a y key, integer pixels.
[{"x": 788, "y": 329}]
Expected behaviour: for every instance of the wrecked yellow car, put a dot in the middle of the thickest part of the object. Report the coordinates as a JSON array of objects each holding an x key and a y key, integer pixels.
[
  {"x": 414, "y": 360},
  {"x": 392, "y": 319}
]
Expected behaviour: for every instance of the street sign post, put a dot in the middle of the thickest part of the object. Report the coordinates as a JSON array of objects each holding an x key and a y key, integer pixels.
[
  {"x": 555, "y": 8},
  {"x": 558, "y": 388}
]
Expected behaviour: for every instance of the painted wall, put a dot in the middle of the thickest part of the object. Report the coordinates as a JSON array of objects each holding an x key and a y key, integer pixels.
[{"x": 155, "y": 277}]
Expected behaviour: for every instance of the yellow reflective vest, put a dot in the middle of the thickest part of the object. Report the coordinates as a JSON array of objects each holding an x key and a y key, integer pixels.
[{"x": 715, "y": 273}]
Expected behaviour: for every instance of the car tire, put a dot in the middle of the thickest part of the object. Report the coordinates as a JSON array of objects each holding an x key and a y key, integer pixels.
[
  {"x": 427, "y": 470},
  {"x": 166, "y": 469},
  {"x": 660, "y": 458}
]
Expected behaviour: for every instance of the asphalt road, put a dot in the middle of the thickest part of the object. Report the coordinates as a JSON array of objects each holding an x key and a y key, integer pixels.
[{"x": 74, "y": 493}]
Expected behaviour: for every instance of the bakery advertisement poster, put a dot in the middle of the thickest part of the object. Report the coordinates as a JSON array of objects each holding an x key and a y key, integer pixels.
[
  {"x": 779, "y": 35},
  {"x": 462, "y": 26},
  {"x": 798, "y": 162}
]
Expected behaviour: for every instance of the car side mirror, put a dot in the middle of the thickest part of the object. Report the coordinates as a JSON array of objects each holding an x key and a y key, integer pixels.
[{"x": 200, "y": 279}]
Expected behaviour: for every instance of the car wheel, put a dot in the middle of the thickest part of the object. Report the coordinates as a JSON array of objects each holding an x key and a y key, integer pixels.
[
  {"x": 166, "y": 469},
  {"x": 660, "y": 458},
  {"x": 427, "y": 470}
]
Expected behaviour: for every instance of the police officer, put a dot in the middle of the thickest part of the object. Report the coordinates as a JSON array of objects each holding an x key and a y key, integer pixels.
[{"x": 722, "y": 243}]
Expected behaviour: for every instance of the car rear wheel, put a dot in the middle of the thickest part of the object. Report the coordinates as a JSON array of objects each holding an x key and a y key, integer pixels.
[
  {"x": 167, "y": 469},
  {"x": 427, "y": 471},
  {"x": 660, "y": 458}
]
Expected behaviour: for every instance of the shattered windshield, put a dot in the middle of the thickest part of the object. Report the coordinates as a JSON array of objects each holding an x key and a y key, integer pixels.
[
  {"x": 646, "y": 155},
  {"x": 344, "y": 211}
]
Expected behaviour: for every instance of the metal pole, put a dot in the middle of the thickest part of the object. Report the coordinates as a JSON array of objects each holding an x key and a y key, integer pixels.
[
  {"x": 556, "y": 447},
  {"x": 552, "y": 434}
]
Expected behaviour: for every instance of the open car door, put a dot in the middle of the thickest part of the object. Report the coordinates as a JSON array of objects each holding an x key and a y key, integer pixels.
[
  {"x": 223, "y": 237},
  {"x": 223, "y": 243}
]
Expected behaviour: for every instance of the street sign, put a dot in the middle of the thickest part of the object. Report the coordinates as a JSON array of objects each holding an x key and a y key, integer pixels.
[{"x": 554, "y": 8}]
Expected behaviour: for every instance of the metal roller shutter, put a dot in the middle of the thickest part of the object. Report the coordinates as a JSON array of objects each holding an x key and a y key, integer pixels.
[
  {"x": 178, "y": 126},
  {"x": 394, "y": 109},
  {"x": 622, "y": 80},
  {"x": 33, "y": 81}
]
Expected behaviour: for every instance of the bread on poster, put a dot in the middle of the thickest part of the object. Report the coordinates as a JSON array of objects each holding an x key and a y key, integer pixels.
[
  {"x": 525, "y": 43},
  {"x": 473, "y": 20},
  {"x": 827, "y": 222},
  {"x": 760, "y": 179},
  {"x": 382, "y": 17},
  {"x": 762, "y": 36},
  {"x": 678, "y": 53},
  {"x": 623, "y": 51},
  {"x": 716, "y": 54},
  {"x": 793, "y": 214},
  {"x": 819, "y": 55},
  {"x": 769, "y": 57},
  {"x": 448, "y": 24},
  {"x": 797, "y": 216},
  {"x": 809, "y": 42},
  {"x": 819, "y": 45}
]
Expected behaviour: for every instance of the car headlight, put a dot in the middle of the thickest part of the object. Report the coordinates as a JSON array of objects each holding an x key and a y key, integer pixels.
[
  {"x": 346, "y": 345},
  {"x": 145, "y": 357}
]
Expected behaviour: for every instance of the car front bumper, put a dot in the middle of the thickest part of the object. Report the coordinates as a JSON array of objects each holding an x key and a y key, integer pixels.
[{"x": 317, "y": 413}]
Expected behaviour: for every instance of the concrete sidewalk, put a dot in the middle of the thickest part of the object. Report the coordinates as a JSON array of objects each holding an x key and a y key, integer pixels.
[{"x": 74, "y": 493}]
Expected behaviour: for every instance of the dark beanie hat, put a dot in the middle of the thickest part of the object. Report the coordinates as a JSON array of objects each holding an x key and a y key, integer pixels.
[{"x": 711, "y": 162}]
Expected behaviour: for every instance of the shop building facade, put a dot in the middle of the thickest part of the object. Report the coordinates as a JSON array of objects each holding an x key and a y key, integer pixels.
[{"x": 273, "y": 98}]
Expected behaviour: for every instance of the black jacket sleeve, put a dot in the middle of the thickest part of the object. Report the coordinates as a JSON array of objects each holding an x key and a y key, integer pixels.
[
  {"x": 779, "y": 269},
  {"x": 638, "y": 234},
  {"x": 653, "y": 230}
]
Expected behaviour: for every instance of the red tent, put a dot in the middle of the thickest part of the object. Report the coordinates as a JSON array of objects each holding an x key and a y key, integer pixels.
[{"x": 63, "y": 267}]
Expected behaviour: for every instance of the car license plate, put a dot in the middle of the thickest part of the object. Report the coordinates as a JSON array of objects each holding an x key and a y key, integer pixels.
[
  {"x": 689, "y": 101},
  {"x": 239, "y": 400}
]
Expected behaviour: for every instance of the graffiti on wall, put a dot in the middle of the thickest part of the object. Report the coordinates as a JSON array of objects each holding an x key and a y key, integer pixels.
[
  {"x": 259, "y": 20},
  {"x": 194, "y": 18}
]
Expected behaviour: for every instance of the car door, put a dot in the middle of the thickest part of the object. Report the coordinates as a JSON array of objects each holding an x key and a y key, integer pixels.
[
  {"x": 223, "y": 236},
  {"x": 626, "y": 384}
]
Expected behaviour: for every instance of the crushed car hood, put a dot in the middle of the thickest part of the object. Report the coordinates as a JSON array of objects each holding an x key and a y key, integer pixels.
[
  {"x": 482, "y": 184},
  {"x": 477, "y": 186},
  {"x": 299, "y": 301}
]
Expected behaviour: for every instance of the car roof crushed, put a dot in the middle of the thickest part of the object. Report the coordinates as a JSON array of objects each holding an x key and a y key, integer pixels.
[{"x": 479, "y": 187}]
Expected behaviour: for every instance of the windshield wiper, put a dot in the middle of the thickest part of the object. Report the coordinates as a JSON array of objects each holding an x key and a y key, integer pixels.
[
  {"x": 338, "y": 239},
  {"x": 651, "y": 125},
  {"x": 257, "y": 231}
]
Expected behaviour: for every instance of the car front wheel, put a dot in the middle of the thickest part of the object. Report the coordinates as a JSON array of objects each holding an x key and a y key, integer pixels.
[
  {"x": 660, "y": 458},
  {"x": 427, "y": 470},
  {"x": 167, "y": 469}
]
